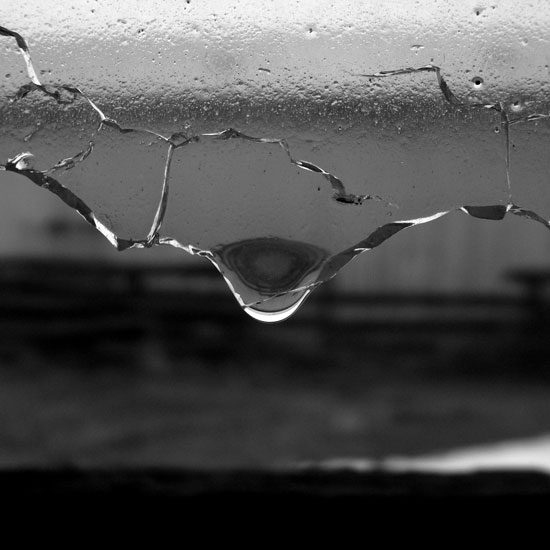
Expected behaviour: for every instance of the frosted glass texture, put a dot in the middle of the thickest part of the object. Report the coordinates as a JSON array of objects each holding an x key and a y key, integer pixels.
[{"x": 278, "y": 140}]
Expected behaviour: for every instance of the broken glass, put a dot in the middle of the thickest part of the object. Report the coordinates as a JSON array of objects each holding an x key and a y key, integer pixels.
[{"x": 280, "y": 141}]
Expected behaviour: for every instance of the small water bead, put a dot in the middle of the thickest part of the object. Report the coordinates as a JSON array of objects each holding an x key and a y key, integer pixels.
[{"x": 477, "y": 82}]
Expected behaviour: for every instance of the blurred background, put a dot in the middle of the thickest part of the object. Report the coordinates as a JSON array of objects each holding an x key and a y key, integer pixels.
[{"x": 429, "y": 352}]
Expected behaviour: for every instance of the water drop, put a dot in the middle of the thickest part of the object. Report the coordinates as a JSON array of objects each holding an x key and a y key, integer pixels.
[
  {"x": 517, "y": 106},
  {"x": 270, "y": 276},
  {"x": 477, "y": 81}
]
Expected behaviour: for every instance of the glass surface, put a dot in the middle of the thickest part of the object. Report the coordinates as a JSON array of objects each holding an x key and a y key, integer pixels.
[{"x": 277, "y": 140}]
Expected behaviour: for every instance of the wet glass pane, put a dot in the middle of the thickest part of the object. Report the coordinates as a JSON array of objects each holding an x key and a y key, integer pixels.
[{"x": 278, "y": 141}]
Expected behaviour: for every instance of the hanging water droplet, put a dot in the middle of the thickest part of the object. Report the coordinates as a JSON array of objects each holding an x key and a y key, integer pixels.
[{"x": 270, "y": 276}]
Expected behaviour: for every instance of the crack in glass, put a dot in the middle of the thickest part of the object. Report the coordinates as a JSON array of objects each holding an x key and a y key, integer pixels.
[{"x": 299, "y": 180}]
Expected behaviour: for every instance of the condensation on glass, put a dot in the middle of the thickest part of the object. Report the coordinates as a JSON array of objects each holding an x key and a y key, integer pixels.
[{"x": 279, "y": 140}]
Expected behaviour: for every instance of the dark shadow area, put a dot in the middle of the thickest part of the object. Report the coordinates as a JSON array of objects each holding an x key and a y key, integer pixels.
[{"x": 138, "y": 379}]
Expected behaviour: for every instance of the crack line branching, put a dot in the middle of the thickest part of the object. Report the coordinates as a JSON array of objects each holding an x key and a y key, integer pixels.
[
  {"x": 68, "y": 94},
  {"x": 176, "y": 140}
]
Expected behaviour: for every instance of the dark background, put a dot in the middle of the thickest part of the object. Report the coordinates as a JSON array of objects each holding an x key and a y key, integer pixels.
[{"x": 143, "y": 360}]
